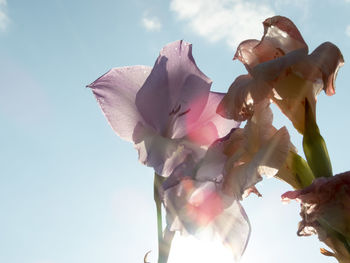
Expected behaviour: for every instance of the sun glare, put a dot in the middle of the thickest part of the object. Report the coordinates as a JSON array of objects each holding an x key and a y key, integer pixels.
[{"x": 190, "y": 250}]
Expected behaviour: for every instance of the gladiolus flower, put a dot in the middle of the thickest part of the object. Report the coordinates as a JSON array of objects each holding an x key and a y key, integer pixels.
[
  {"x": 280, "y": 68},
  {"x": 325, "y": 210},
  {"x": 167, "y": 111}
]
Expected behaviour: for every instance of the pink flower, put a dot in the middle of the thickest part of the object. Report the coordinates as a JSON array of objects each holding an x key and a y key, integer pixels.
[
  {"x": 167, "y": 111},
  {"x": 280, "y": 68},
  {"x": 325, "y": 210}
]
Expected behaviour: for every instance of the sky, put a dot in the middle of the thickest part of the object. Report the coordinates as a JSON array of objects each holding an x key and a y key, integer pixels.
[{"x": 70, "y": 189}]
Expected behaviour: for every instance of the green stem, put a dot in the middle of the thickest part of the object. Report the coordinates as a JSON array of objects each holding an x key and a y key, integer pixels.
[
  {"x": 164, "y": 243},
  {"x": 314, "y": 146}
]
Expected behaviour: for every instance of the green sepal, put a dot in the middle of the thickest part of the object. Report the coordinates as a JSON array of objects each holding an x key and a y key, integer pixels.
[
  {"x": 315, "y": 148},
  {"x": 302, "y": 170},
  {"x": 295, "y": 172}
]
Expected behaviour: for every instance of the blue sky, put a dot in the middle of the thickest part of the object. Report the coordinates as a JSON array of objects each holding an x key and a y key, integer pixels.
[{"x": 70, "y": 189}]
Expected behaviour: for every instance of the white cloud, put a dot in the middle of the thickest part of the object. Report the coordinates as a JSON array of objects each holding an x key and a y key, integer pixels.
[
  {"x": 4, "y": 20},
  {"x": 302, "y": 8},
  {"x": 298, "y": 3},
  {"x": 347, "y": 30},
  {"x": 151, "y": 23},
  {"x": 231, "y": 21}
]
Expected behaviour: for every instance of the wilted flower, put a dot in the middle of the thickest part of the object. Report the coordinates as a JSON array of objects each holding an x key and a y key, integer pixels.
[
  {"x": 167, "y": 111},
  {"x": 325, "y": 210},
  {"x": 204, "y": 196},
  {"x": 280, "y": 68}
]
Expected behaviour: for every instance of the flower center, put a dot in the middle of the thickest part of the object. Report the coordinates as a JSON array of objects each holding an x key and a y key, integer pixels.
[{"x": 174, "y": 114}]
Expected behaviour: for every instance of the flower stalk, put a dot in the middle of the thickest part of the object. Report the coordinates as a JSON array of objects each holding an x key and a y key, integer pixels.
[{"x": 164, "y": 241}]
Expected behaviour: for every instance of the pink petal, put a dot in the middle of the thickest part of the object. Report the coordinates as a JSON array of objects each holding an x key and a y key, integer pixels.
[
  {"x": 292, "y": 88},
  {"x": 328, "y": 58},
  {"x": 244, "y": 92},
  {"x": 174, "y": 83},
  {"x": 272, "y": 69},
  {"x": 246, "y": 53},
  {"x": 116, "y": 91},
  {"x": 281, "y": 36},
  {"x": 206, "y": 128},
  {"x": 266, "y": 161},
  {"x": 259, "y": 128},
  {"x": 273, "y": 154}
]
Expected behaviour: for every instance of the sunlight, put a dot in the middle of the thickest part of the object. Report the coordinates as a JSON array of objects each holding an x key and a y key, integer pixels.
[{"x": 189, "y": 249}]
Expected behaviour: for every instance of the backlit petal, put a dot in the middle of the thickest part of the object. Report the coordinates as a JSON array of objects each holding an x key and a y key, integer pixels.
[
  {"x": 115, "y": 91},
  {"x": 266, "y": 161},
  {"x": 233, "y": 228},
  {"x": 161, "y": 153},
  {"x": 208, "y": 127},
  {"x": 244, "y": 92},
  {"x": 328, "y": 58},
  {"x": 172, "y": 86},
  {"x": 281, "y": 36}
]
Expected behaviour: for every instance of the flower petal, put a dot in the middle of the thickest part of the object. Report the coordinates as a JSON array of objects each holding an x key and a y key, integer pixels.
[
  {"x": 266, "y": 161},
  {"x": 206, "y": 128},
  {"x": 281, "y": 36},
  {"x": 233, "y": 228},
  {"x": 328, "y": 58},
  {"x": 244, "y": 92},
  {"x": 191, "y": 206},
  {"x": 259, "y": 128},
  {"x": 327, "y": 199},
  {"x": 247, "y": 55},
  {"x": 185, "y": 170},
  {"x": 198, "y": 209},
  {"x": 161, "y": 153},
  {"x": 292, "y": 90},
  {"x": 174, "y": 83},
  {"x": 273, "y": 155},
  {"x": 249, "y": 90},
  {"x": 272, "y": 69},
  {"x": 115, "y": 91},
  {"x": 325, "y": 210},
  {"x": 212, "y": 165}
]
